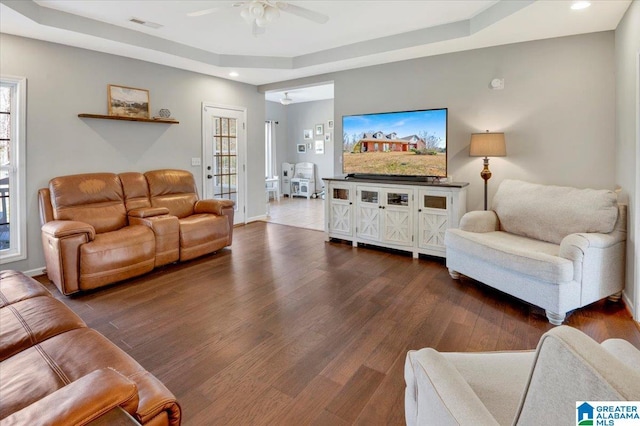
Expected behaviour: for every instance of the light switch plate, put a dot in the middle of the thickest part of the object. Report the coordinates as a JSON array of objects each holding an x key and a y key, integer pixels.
[{"x": 195, "y": 161}]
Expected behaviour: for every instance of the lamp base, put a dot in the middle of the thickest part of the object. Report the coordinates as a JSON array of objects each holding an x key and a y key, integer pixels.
[{"x": 486, "y": 175}]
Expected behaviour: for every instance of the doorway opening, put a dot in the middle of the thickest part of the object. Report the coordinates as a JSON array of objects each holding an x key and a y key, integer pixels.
[{"x": 299, "y": 152}]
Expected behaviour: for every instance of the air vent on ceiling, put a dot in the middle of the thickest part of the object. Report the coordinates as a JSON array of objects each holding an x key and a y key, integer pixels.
[{"x": 146, "y": 23}]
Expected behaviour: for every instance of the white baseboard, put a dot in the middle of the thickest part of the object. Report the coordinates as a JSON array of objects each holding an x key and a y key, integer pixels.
[
  {"x": 628, "y": 303},
  {"x": 34, "y": 272},
  {"x": 256, "y": 218}
]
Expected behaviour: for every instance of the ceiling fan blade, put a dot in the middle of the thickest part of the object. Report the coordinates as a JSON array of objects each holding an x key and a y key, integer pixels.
[
  {"x": 302, "y": 12},
  {"x": 203, "y": 12}
]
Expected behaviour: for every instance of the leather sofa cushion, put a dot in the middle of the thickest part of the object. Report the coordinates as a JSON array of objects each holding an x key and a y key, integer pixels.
[
  {"x": 173, "y": 189},
  {"x": 31, "y": 321},
  {"x": 201, "y": 229},
  {"x": 136, "y": 190},
  {"x": 65, "y": 358},
  {"x": 93, "y": 198},
  {"x": 14, "y": 287},
  {"x": 120, "y": 252}
]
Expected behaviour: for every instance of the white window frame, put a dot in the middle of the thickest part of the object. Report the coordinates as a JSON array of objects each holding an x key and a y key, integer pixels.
[
  {"x": 17, "y": 171},
  {"x": 270, "y": 168}
]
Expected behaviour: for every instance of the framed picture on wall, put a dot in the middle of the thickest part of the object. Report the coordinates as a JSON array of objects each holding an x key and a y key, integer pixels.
[
  {"x": 327, "y": 137},
  {"x": 330, "y": 124},
  {"x": 308, "y": 134},
  {"x": 319, "y": 147},
  {"x": 128, "y": 101},
  {"x": 319, "y": 129},
  {"x": 302, "y": 148}
]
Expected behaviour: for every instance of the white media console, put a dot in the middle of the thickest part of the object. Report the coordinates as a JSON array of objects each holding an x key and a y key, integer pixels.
[{"x": 402, "y": 215}]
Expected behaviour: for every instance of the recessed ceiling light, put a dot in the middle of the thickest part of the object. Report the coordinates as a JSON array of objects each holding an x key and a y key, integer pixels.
[
  {"x": 233, "y": 74},
  {"x": 579, "y": 5}
]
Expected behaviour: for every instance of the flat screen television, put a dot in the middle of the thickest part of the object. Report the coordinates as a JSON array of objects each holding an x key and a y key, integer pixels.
[{"x": 402, "y": 144}]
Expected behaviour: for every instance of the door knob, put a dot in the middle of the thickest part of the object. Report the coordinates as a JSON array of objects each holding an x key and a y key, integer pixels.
[{"x": 209, "y": 177}]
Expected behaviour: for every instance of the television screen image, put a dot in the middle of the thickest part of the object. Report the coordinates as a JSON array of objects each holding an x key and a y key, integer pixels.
[{"x": 408, "y": 143}]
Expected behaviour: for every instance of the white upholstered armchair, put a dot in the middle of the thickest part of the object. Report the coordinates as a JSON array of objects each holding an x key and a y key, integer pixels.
[
  {"x": 521, "y": 388},
  {"x": 558, "y": 248}
]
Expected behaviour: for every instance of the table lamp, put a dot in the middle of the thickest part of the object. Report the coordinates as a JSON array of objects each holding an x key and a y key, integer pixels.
[{"x": 487, "y": 145}]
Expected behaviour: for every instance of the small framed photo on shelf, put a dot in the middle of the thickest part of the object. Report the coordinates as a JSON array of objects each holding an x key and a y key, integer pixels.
[
  {"x": 319, "y": 147},
  {"x": 330, "y": 124},
  {"x": 319, "y": 129},
  {"x": 128, "y": 101},
  {"x": 308, "y": 134},
  {"x": 327, "y": 137},
  {"x": 302, "y": 148}
]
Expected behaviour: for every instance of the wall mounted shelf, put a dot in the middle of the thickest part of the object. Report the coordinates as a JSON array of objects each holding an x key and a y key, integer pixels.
[{"x": 121, "y": 118}]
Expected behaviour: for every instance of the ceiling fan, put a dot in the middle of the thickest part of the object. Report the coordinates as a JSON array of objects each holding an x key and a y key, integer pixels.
[{"x": 260, "y": 13}]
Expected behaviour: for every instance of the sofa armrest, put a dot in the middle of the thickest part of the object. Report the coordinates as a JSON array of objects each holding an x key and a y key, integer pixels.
[
  {"x": 437, "y": 394},
  {"x": 148, "y": 212},
  {"x": 569, "y": 367},
  {"x": 480, "y": 221},
  {"x": 215, "y": 206},
  {"x": 66, "y": 228},
  {"x": 80, "y": 402}
]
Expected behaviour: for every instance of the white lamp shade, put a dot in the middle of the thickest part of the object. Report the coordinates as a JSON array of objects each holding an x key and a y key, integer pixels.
[{"x": 487, "y": 145}]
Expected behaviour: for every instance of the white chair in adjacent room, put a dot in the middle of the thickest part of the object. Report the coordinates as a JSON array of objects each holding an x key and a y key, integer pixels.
[{"x": 272, "y": 188}]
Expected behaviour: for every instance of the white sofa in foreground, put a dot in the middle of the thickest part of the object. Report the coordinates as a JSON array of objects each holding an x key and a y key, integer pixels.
[
  {"x": 520, "y": 388},
  {"x": 558, "y": 248}
]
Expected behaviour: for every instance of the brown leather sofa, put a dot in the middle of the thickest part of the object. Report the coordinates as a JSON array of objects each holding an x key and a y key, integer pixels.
[
  {"x": 100, "y": 228},
  {"x": 56, "y": 371}
]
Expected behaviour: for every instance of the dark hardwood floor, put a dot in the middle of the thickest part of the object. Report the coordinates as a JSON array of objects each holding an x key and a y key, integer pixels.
[{"x": 285, "y": 329}]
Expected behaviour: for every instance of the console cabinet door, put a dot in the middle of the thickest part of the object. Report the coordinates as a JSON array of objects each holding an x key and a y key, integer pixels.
[
  {"x": 433, "y": 219},
  {"x": 368, "y": 213},
  {"x": 398, "y": 223},
  {"x": 340, "y": 210}
]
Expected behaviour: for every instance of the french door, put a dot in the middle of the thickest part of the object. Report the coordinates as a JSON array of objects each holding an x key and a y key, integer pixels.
[{"x": 224, "y": 151}]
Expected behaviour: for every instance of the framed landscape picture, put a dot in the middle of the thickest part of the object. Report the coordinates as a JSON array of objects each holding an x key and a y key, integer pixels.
[
  {"x": 128, "y": 101},
  {"x": 302, "y": 148}
]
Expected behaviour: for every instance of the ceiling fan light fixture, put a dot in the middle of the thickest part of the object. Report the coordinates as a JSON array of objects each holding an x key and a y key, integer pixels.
[
  {"x": 256, "y": 9},
  {"x": 271, "y": 13},
  {"x": 261, "y": 22},
  {"x": 286, "y": 100}
]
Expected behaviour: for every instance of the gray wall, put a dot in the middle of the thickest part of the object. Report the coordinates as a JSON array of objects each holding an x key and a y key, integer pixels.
[
  {"x": 63, "y": 81},
  {"x": 627, "y": 37},
  {"x": 303, "y": 116},
  {"x": 557, "y": 108}
]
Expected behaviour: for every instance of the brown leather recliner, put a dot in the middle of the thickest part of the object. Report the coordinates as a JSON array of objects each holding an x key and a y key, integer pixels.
[
  {"x": 101, "y": 228},
  {"x": 86, "y": 237},
  {"x": 205, "y": 225}
]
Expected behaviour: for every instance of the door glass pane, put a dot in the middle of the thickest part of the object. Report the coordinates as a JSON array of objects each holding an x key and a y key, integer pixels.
[
  {"x": 397, "y": 199},
  {"x": 5, "y": 164},
  {"x": 225, "y": 160}
]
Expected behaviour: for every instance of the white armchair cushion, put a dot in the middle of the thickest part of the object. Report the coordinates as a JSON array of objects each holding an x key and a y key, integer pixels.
[
  {"x": 550, "y": 213},
  {"x": 523, "y": 388},
  {"x": 534, "y": 258}
]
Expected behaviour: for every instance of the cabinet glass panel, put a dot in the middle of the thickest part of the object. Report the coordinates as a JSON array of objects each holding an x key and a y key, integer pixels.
[
  {"x": 435, "y": 202},
  {"x": 397, "y": 199},
  {"x": 369, "y": 197},
  {"x": 340, "y": 194}
]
